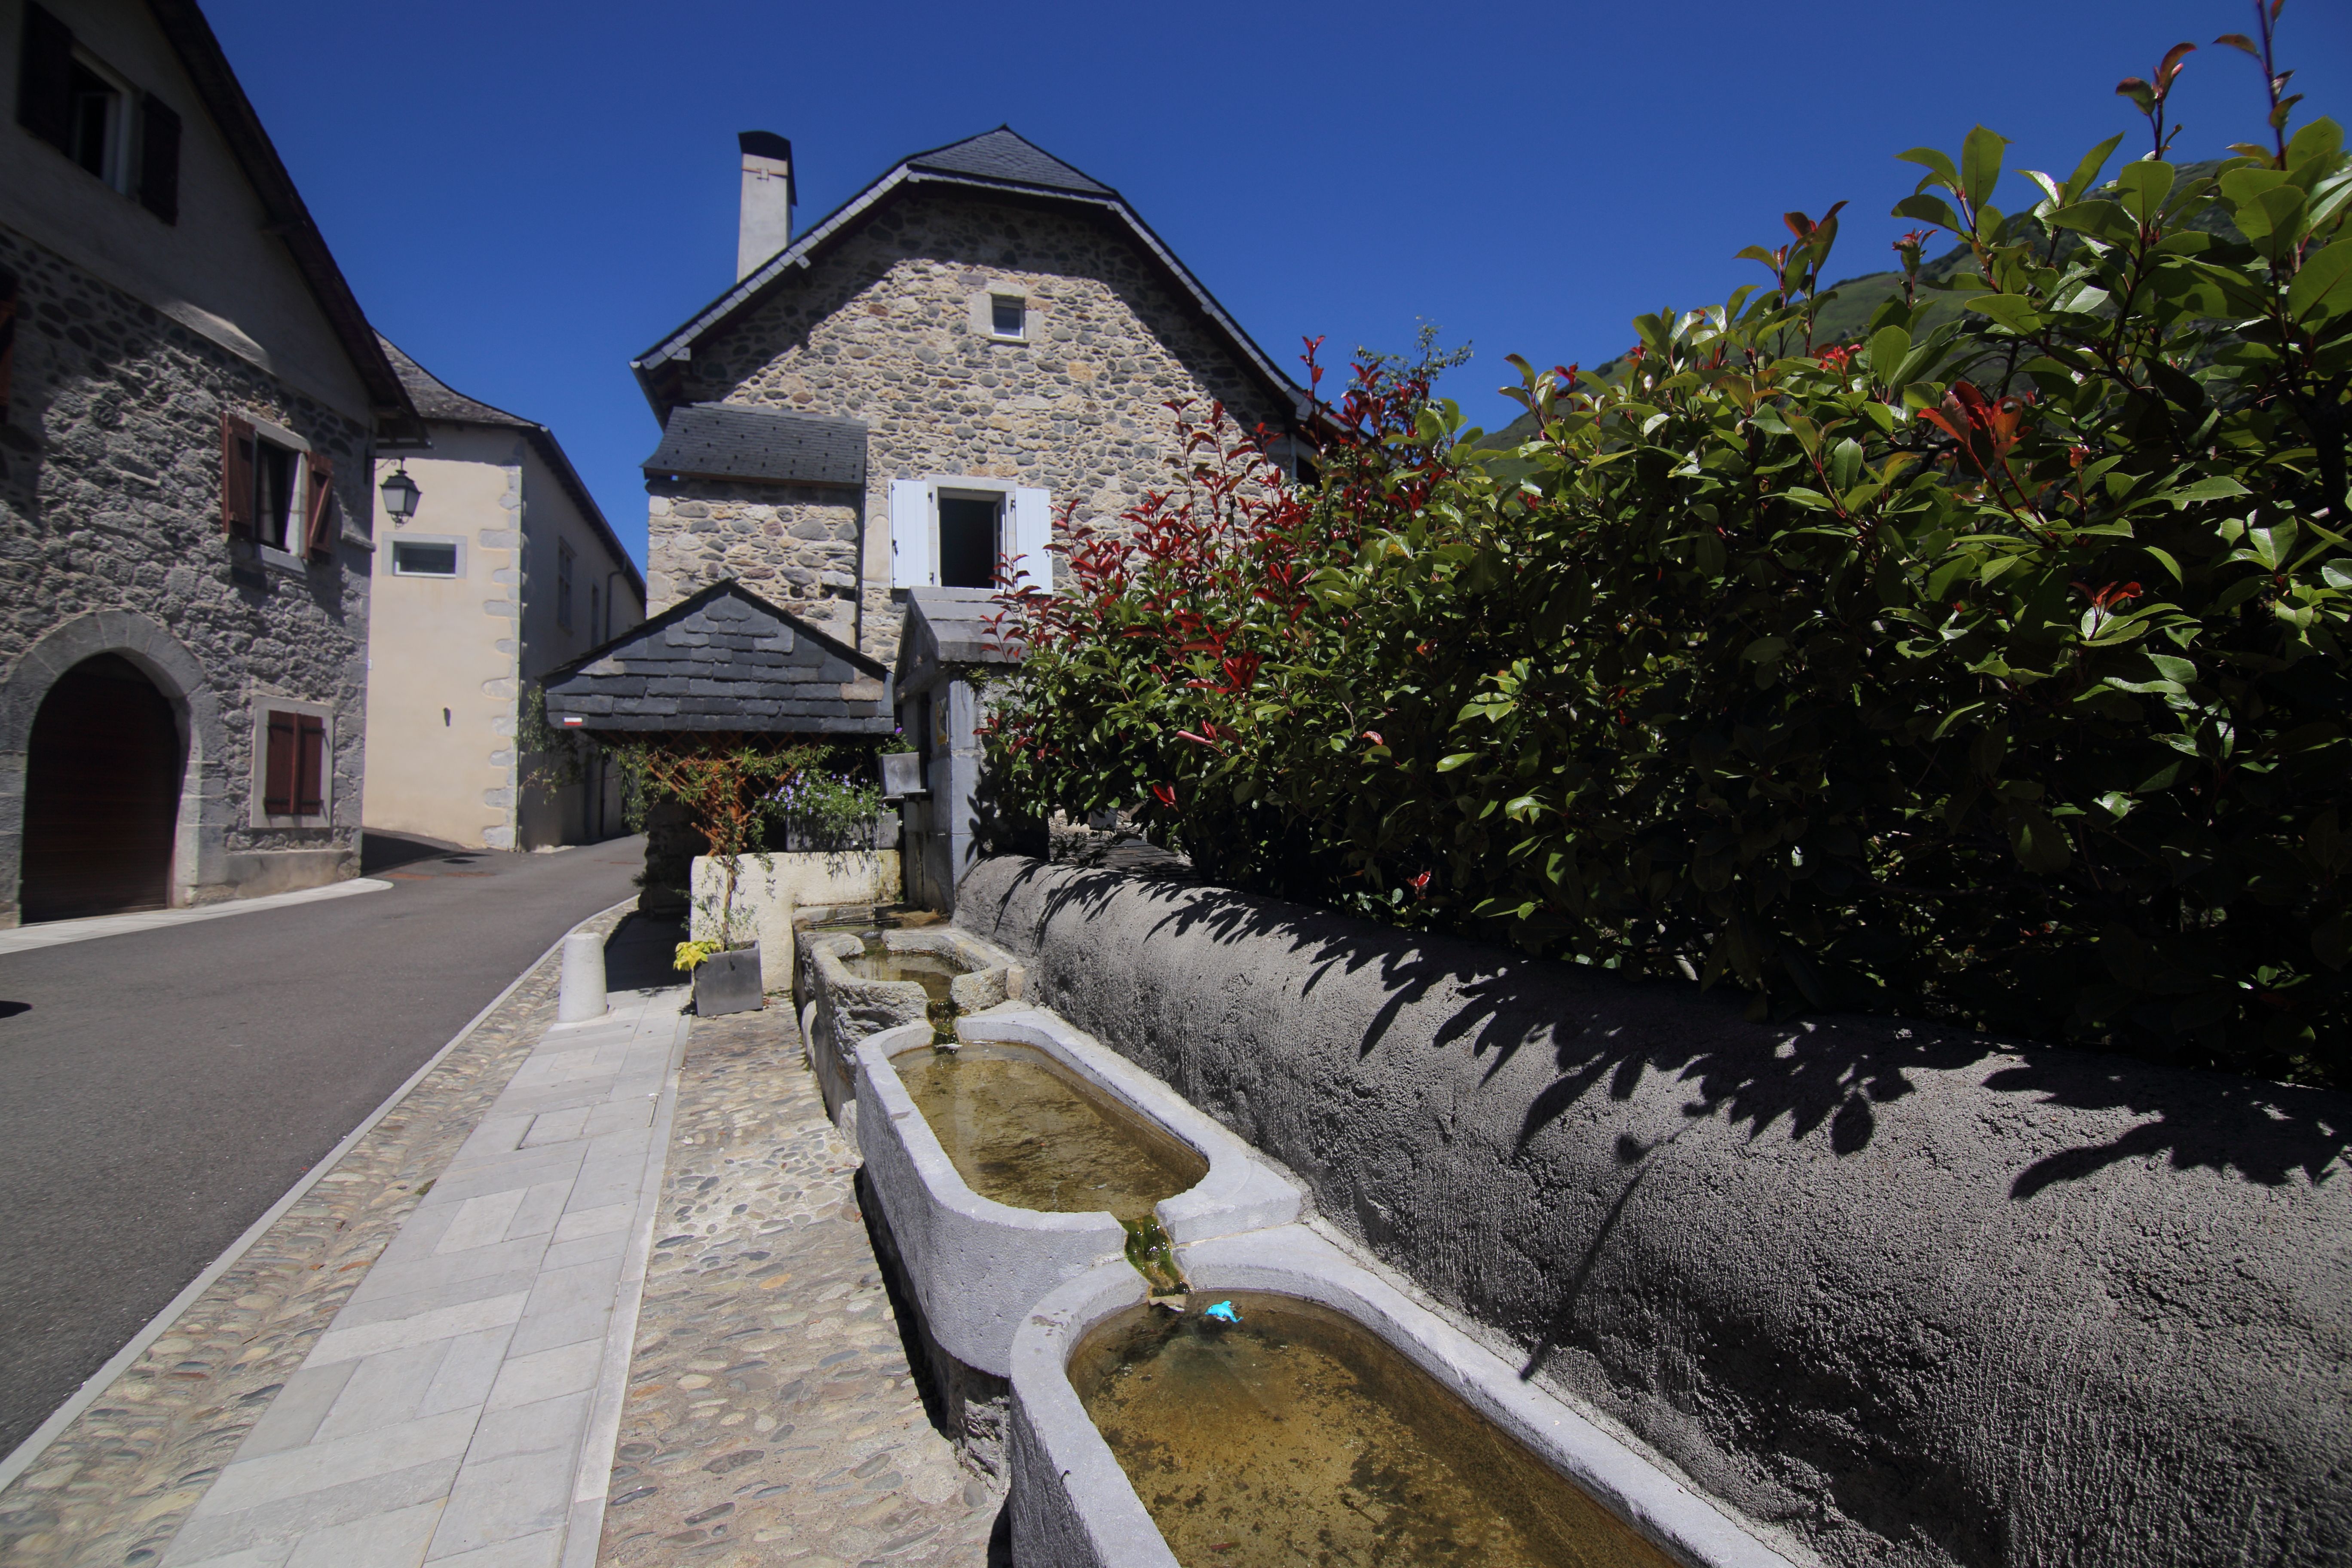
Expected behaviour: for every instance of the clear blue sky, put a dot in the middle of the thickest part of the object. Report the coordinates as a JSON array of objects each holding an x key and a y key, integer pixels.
[{"x": 525, "y": 195}]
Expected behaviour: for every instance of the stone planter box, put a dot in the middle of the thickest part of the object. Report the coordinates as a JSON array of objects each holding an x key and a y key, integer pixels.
[
  {"x": 838, "y": 1009},
  {"x": 728, "y": 982},
  {"x": 1072, "y": 1504},
  {"x": 770, "y": 888},
  {"x": 975, "y": 1266}
]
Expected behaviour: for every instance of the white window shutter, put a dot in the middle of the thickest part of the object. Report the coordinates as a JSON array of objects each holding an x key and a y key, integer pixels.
[
  {"x": 1032, "y": 531},
  {"x": 913, "y": 563}
]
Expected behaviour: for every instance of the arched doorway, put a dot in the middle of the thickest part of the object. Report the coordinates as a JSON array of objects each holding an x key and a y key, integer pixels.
[{"x": 101, "y": 794}]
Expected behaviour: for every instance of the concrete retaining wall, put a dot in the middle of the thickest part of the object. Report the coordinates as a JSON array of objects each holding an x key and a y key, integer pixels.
[{"x": 1898, "y": 1295}]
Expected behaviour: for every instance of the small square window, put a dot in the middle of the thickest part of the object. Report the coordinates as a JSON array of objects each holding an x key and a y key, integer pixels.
[
  {"x": 1008, "y": 315},
  {"x": 415, "y": 558}
]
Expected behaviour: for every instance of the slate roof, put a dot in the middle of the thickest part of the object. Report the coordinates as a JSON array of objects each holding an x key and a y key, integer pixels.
[
  {"x": 1004, "y": 155},
  {"x": 734, "y": 441},
  {"x": 436, "y": 399},
  {"x": 1000, "y": 161},
  {"x": 724, "y": 659},
  {"x": 948, "y": 626}
]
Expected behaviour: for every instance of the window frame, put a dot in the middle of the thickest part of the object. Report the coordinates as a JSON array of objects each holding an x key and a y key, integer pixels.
[
  {"x": 566, "y": 560},
  {"x": 392, "y": 556},
  {"x": 259, "y": 814},
  {"x": 121, "y": 155},
  {"x": 294, "y": 530},
  {"x": 944, "y": 491}
]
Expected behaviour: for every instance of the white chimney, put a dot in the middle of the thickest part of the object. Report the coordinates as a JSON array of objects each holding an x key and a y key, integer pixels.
[{"x": 766, "y": 223}]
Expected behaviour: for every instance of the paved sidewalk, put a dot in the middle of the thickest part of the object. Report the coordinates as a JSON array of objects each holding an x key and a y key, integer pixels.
[
  {"x": 772, "y": 1418},
  {"x": 53, "y": 934},
  {"x": 444, "y": 1416}
]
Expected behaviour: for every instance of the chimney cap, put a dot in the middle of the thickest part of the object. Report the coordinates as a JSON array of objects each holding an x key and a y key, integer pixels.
[{"x": 764, "y": 144}]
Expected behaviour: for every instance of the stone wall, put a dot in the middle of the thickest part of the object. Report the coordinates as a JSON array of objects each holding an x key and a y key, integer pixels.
[
  {"x": 109, "y": 518},
  {"x": 796, "y": 546},
  {"x": 1901, "y": 1297},
  {"x": 882, "y": 328}
]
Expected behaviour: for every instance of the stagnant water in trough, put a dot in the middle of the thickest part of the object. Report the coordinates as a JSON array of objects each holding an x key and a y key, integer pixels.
[
  {"x": 1298, "y": 1437},
  {"x": 1021, "y": 1130},
  {"x": 934, "y": 972}
]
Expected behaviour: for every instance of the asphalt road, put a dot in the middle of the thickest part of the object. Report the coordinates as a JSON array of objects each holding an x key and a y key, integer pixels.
[{"x": 160, "y": 1090}]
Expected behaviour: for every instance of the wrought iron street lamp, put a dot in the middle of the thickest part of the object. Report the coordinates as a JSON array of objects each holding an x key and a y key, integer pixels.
[{"x": 400, "y": 495}]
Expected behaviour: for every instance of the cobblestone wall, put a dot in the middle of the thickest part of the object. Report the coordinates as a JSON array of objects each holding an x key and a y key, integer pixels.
[
  {"x": 110, "y": 501},
  {"x": 794, "y": 546},
  {"x": 885, "y": 328}
]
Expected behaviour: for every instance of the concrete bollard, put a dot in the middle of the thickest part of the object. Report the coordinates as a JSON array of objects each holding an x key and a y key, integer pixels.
[{"x": 581, "y": 996}]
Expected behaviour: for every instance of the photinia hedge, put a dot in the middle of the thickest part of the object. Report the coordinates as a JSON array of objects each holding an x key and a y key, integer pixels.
[{"x": 1993, "y": 673}]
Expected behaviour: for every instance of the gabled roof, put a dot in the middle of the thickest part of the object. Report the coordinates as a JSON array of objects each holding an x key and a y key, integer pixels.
[
  {"x": 191, "y": 37},
  {"x": 724, "y": 659},
  {"x": 948, "y": 626},
  {"x": 1003, "y": 156},
  {"x": 436, "y": 399},
  {"x": 1000, "y": 161},
  {"x": 736, "y": 441}
]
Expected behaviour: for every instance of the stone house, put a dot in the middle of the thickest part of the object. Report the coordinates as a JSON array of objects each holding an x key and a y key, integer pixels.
[
  {"x": 190, "y": 404},
  {"x": 505, "y": 569},
  {"x": 909, "y": 391}
]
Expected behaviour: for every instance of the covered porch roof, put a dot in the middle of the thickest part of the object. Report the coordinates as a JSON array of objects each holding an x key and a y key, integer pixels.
[{"x": 724, "y": 660}]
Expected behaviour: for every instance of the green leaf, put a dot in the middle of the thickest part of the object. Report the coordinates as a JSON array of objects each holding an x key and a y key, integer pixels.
[
  {"x": 1447, "y": 764},
  {"x": 2331, "y": 942},
  {"x": 2322, "y": 287},
  {"x": 1938, "y": 164},
  {"x": 2169, "y": 565},
  {"x": 1981, "y": 156},
  {"x": 2174, "y": 668},
  {"x": 2321, "y": 139},
  {"x": 2040, "y": 844},
  {"x": 2100, "y": 220},
  {"x": 2220, "y": 487},
  {"x": 1846, "y": 463},
  {"x": 1889, "y": 346},
  {"x": 2086, "y": 173},
  {"x": 2142, "y": 187},
  {"x": 2012, "y": 310},
  {"x": 1925, "y": 208}
]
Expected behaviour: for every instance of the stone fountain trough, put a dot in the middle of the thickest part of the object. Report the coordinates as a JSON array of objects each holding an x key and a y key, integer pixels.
[
  {"x": 976, "y": 1266},
  {"x": 1074, "y": 1506},
  {"x": 844, "y": 1000}
]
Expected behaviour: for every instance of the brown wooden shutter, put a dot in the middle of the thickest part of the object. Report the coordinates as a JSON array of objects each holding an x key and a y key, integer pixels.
[
  {"x": 279, "y": 765},
  {"x": 319, "y": 509},
  {"x": 159, "y": 159},
  {"x": 45, "y": 78},
  {"x": 236, "y": 477},
  {"x": 311, "y": 767}
]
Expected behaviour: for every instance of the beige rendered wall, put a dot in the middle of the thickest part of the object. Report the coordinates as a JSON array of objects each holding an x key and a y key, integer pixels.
[
  {"x": 566, "y": 813},
  {"x": 217, "y": 270},
  {"x": 442, "y": 652}
]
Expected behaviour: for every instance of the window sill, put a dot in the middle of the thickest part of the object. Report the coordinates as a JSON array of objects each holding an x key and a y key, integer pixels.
[{"x": 279, "y": 561}]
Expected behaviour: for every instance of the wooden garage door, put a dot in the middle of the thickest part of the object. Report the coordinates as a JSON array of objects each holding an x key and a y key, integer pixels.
[{"x": 101, "y": 794}]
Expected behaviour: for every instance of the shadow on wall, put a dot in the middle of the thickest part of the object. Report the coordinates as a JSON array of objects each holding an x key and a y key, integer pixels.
[{"x": 1831, "y": 1071}]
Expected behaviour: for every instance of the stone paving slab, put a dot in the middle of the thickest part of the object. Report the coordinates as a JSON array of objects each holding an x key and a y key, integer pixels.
[
  {"x": 773, "y": 1416},
  {"x": 118, "y": 1483},
  {"x": 444, "y": 1416}
]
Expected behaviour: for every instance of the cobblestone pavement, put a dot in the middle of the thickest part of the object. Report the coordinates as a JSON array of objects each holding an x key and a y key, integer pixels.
[
  {"x": 772, "y": 1418},
  {"x": 118, "y": 1483}
]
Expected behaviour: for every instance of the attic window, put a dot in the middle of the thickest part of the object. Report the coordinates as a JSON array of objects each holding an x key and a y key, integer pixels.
[{"x": 1008, "y": 315}]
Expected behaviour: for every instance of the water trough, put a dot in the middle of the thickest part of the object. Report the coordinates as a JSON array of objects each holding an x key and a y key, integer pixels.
[
  {"x": 977, "y": 1265},
  {"x": 859, "y": 983},
  {"x": 1430, "y": 1450}
]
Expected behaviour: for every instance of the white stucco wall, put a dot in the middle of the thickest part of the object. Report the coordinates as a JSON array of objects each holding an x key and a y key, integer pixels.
[{"x": 439, "y": 646}]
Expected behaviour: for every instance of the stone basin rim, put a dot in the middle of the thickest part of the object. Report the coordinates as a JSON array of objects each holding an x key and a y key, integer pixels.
[{"x": 1073, "y": 1506}]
